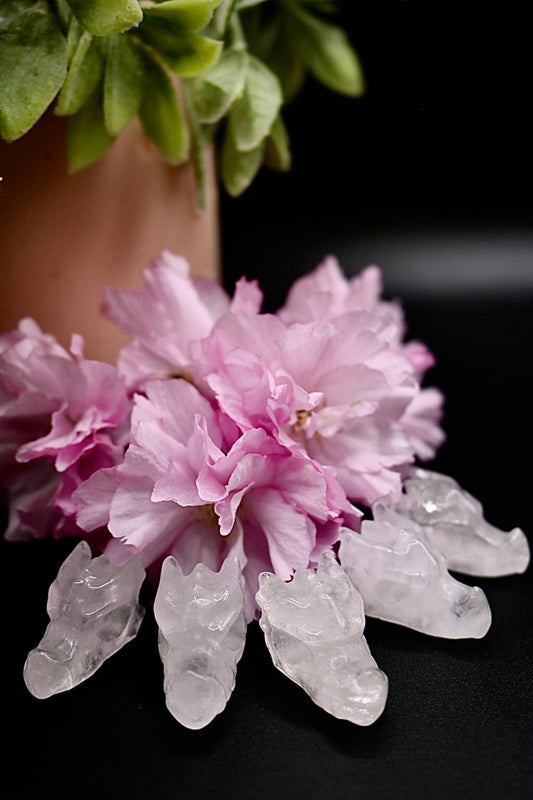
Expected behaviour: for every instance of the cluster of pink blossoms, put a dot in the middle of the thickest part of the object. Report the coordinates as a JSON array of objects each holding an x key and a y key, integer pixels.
[{"x": 221, "y": 430}]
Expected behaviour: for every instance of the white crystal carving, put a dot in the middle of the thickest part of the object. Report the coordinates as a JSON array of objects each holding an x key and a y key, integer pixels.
[
  {"x": 202, "y": 631},
  {"x": 94, "y": 611},
  {"x": 313, "y": 628},
  {"x": 402, "y": 580},
  {"x": 454, "y": 524}
]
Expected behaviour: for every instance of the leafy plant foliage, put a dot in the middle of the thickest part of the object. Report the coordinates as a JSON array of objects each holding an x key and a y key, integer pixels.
[{"x": 192, "y": 70}]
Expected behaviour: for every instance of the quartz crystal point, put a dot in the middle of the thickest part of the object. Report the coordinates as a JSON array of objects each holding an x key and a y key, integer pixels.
[
  {"x": 454, "y": 525},
  {"x": 202, "y": 630},
  {"x": 402, "y": 580},
  {"x": 94, "y": 610},
  {"x": 313, "y": 628}
]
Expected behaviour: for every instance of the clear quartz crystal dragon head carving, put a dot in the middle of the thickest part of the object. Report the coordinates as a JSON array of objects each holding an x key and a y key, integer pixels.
[
  {"x": 94, "y": 610},
  {"x": 402, "y": 580},
  {"x": 313, "y": 625},
  {"x": 454, "y": 524},
  {"x": 313, "y": 628},
  {"x": 202, "y": 631}
]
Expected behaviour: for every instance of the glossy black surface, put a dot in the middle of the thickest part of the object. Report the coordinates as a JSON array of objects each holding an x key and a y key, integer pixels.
[{"x": 458, "y": 719}]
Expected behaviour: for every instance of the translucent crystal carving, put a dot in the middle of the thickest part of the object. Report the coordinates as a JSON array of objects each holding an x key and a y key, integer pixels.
[
  {"x": 94, "y": 610},
  {"x": 202, "y": 631},
  {"x": 402, "y": 580},
  {"x": 454, "y": 524},
  {"x": 313, "y": 628}
]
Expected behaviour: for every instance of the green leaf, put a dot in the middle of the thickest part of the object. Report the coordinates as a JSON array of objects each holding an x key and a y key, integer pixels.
[
  {"x": 239, "y": 168},
  {"x": 215, "y": 91},
  {"x": 84, "y": 73},
  {"x": 328, "y": 54},
  {"x": 234, "y": 33},
  {"x": 185, "y": 54},
  {"x": 221, "y": 11},
  {"x": 63, "y": 12},
  {"x": 253, "y": 115},
  {"x": 123, "y": 83},
  {"x": 161, "y": 116},
  {"x": 11, "y": 10},
  {"x": 33, "y": 64},
  {"x": 74, "y": 34},
  {"x": 105, "y": 17},
  {"x": 261, "y": 31},
  {"x": 277, "y": 148},
  {"x": 88, "y": 138},
  {"x": 242, "y": 4},
  {"x": 179, "y": 16},
  {"x": 286, "y": 62}
]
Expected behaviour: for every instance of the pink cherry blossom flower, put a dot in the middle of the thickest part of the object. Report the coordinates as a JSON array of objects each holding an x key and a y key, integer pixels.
[
  {"x": 61, "y": 418},
  {"x": 421, "y": 422},
  {"x": 93, "y": 410},
  {"x": 193, "y": 486},
  {"x": 166, "y": 315},
  {"x": 335, "y": 390},
  {"x": 326, "y": 294},
  {"x": 29, "y": 390},
  {"x": 249, "y": 431}
]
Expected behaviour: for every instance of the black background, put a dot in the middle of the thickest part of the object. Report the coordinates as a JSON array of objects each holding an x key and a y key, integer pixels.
[
  {"x": 429, "y": 175},
  {"x": 439, "y": 147}
]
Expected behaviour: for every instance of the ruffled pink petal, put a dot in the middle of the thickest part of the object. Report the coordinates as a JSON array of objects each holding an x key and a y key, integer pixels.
[
  {"x": 248, "y": 297},
  {"x": 326, "y": 293},
  {"x": 419, "y": 355},
  {"x": 421, "y": 422},
  {"x": 93, "y": 499},
  {"x": 290, "y": 535}
]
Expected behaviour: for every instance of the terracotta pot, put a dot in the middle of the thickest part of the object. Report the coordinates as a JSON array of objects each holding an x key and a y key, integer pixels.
[{"x": 64, "y": 237}]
